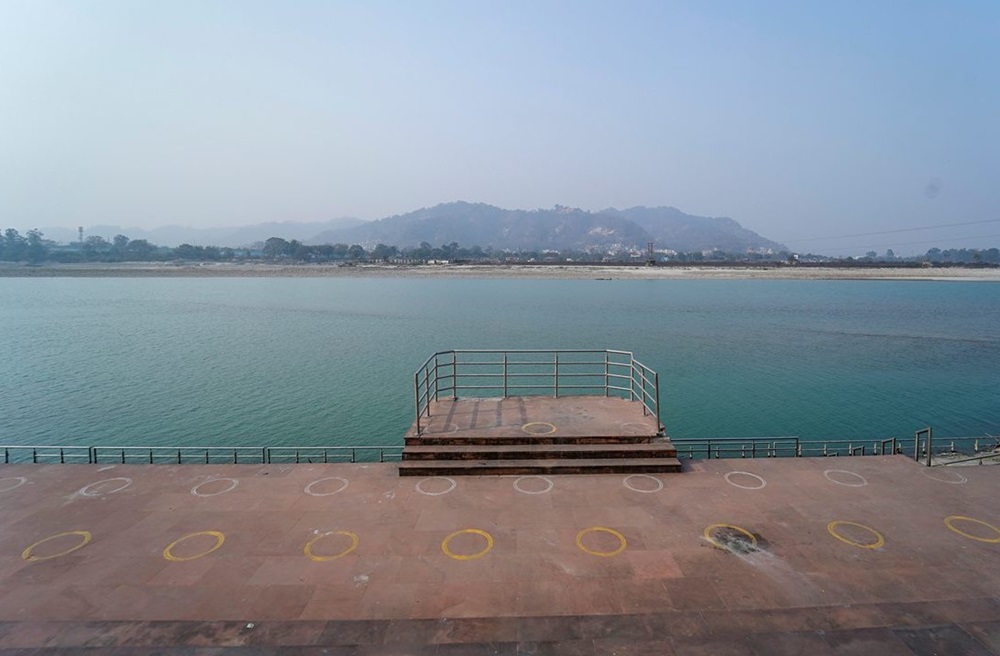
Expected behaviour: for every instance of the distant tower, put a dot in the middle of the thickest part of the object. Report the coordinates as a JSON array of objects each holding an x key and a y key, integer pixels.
[
  {"x": 80, "y": 232},
  {"x": 650, "y": 260}
]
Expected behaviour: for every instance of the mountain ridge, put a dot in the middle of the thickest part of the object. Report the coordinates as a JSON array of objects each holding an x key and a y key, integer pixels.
[
  {"x": 477, "y": 224},
  {"x": 558, "y": 228}
]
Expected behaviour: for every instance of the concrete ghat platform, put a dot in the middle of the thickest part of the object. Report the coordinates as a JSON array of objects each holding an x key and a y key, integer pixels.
[{"x": 819, "y": 556}]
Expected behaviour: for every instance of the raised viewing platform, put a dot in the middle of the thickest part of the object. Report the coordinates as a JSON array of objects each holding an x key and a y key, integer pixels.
[{"x": 536, "y": 412}]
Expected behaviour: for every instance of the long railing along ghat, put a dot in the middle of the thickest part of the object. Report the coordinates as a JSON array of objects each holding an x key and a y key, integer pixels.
[
  {"x": 790, "y": 446},
  {"x": 491, "y": 373},
  {"x": 179, "y": 455}
]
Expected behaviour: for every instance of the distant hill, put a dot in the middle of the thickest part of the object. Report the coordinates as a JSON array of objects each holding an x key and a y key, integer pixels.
[
  {"x": 671, "y": 228},
  {"x": 559, "y": 228},
  {"x": 475, "y": 224},
  {"x": 233, "y": 237}
]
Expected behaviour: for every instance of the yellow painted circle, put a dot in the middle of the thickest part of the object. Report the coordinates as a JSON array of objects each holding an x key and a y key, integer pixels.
[
  {"x": 601, "y": 529},
  {"x": 28, "y": 554},
  {"x": 739, "y": 529},
  {"x": 479, "y": 554},
  {"x": 169, "y": 555},
  {"x": 950, "y": 523},
  {"x": 307, "y": 550},
  {"x": 547, "y": 428},
  {"x": 879, "y": 540}
]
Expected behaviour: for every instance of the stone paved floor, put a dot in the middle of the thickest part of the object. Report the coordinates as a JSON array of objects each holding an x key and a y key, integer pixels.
[{"x": 873, "y": 555}]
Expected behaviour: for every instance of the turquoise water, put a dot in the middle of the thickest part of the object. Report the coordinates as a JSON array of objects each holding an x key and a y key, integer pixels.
[{"x": 326, "y": 361}]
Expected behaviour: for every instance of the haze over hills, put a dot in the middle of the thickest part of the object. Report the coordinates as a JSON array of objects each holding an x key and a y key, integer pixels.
[
  {"x": 558, "y": 228},
  {"x": 233, "y": 237},
  {"x": 475, "y": 224}
]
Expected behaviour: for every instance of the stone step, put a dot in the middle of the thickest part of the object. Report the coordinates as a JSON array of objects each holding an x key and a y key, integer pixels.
[
  {"x": 547, "y": 466},
  {"x": 443, "y": 439},
  {"x": 662, "y": 449}
]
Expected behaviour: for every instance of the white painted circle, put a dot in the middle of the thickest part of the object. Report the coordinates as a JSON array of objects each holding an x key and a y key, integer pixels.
[
  {"x": 448, "y": 428},
  {"x": 451, "y": 486},
  {"x": 18, "y": 482},
  {"x": 960, "y": 479},
  {"x": 548, "y": 481},
  {"x": 659, "y": 483},
  {"x": 309, "y": 488},
  {"x": 88, "y": 492},
  {"x": 232, "y": 486},
  {"x": 729, "y": 480},
  {"x": 861, "y": 482}
]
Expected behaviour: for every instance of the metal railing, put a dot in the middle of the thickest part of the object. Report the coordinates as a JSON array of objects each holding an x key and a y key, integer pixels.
[
  {"x": 789, "y": 446},
  {"x": 95, "y": 455},
  {"x": 506, "y": 373},
  {"x": 946, "y": 451}
]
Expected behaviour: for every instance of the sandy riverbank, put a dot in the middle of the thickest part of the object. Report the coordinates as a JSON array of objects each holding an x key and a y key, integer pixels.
[{"x": 515, "y": 271}]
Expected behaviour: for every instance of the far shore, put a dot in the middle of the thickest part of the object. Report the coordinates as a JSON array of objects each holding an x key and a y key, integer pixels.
[{"x": 513, "y": 271}]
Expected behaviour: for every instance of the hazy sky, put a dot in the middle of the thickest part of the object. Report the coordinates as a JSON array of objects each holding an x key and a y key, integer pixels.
[{"x": 803, "y": 120}]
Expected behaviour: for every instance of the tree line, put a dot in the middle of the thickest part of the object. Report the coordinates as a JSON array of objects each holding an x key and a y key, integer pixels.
[{"x": 33, "y": 248}]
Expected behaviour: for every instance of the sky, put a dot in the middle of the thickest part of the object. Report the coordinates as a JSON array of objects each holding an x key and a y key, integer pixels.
[{"x": 833, "y": 127}]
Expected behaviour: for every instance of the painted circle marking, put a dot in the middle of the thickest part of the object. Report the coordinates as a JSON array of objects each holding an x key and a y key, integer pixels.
[
  {"x": 601, "y": 529},
  {"x": 445, "y": 544},
  {"x": 545, "y": 428},
  {"x": 29, "y": 553},
  {"x": 307, "y": 550},
  {"x": 447, "y": 428},
  {"x": 421, "y": 490},
  {"x": 729, "y": 480},
  {"x": 658, "y": 482},
  {"x": 232, "y": 486},
  {"x": 548, "y": 482},
  {"x": 309, "y": 488},
  {"x": 168, "y": 553},
  {"x": 87, "y": 490},
  {"x": 879, "y": 539},
  {"x": 18, "y": 482},
  {"x": 960, "y": 478},
  {"x": 707, "y": 533},
  {"x": 862, "y": 481},
  {"x": 950, "y": 523}
]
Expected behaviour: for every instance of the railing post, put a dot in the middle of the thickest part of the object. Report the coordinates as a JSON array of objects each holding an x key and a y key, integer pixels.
[
  {"x": 607, "y": 372},
  {"x": 505, "y": 374},
  {"x": 454, "y": 376},
  {"x": 416, "y": 399},
  {"x": 930, "y": 438},
  {"x": 631, "y": 378},
  {"x": 656, "y": 391},
  {"x": 427, "y": 387},
  {"x": 556, "y": 381}
]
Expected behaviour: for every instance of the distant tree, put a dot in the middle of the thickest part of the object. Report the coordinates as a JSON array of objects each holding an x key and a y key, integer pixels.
[
  {"x": 189, "y": 252},
  {"x": 14, "y": 245},
  {"x": 95, "y": 247},
  {"x": 139, "y": 249},
  {"x": 382, "y": 252},
  {"x": 35, "y": 250},
  {"x": 356, "y": 252},
  {"x": 275, "y": 247}
]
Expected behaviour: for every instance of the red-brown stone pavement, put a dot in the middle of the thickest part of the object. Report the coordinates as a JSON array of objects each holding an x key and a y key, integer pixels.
[{"x": 868, "y": 555}]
